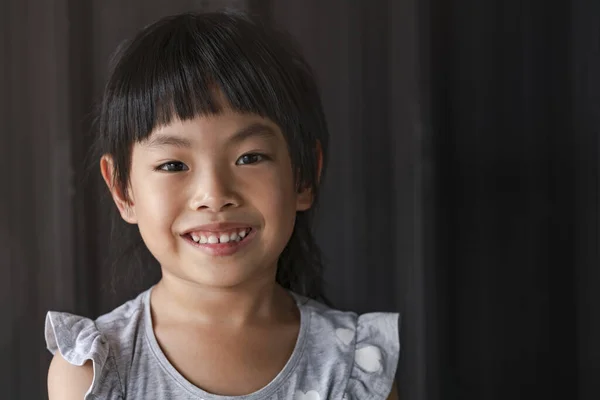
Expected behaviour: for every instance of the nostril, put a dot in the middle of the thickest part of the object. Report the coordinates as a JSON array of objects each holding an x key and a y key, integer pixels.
[{"x": 213, "y": 203}]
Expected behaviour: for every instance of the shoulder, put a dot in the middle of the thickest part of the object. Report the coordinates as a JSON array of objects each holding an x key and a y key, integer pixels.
[
  {"x": 89, "y": 351},
  {"x": 360, "y": 352},
  {"x": 78, "y": 338}
]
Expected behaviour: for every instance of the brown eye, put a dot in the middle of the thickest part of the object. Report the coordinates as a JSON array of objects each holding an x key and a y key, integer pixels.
[
  {"x": 172, "y": 166},
  {"x": 250, "y": 159}
]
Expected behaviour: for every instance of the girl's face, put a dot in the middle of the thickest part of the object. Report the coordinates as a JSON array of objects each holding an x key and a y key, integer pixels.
[{"x": 196, "y": 187}]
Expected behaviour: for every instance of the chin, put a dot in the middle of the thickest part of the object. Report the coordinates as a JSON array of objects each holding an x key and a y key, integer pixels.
[{"x": 220, "y": 277}]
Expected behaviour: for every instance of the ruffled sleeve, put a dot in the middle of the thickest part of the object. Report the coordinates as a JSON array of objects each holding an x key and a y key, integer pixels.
[
  {"x": 78, "y": 340},
  {"x": 376, "y": 357}
]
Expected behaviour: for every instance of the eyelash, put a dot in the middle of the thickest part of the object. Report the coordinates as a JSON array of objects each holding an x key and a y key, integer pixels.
[
  {"x": 163, "y": 167},
  {"x": 261, "y": 157}
]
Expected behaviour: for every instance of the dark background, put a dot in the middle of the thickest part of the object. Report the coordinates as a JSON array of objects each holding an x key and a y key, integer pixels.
[{"x": 462, "y": 189}]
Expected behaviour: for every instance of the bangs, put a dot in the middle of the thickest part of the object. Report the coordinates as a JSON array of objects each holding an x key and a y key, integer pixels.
[{"x": 186, "y": 66}]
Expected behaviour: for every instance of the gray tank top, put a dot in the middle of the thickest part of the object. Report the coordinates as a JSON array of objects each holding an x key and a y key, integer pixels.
[{"x": 338, "y": 355}]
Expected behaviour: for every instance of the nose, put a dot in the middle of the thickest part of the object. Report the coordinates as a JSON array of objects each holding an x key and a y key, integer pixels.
[{"x": 214, "y": 191}]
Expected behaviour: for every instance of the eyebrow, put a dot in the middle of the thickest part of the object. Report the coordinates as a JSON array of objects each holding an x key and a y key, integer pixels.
[
  {"x": 256, "y": 129},
  {"x": 168, "y": 140}
]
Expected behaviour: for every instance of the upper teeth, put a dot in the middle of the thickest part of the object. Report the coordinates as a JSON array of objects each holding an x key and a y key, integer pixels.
[{"x": 223, "y": 237}]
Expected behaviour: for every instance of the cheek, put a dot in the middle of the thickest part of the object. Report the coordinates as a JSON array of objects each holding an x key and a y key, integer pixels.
[
  {"x": 155, "y": 205},
  {"x": 277, "y": 198}
]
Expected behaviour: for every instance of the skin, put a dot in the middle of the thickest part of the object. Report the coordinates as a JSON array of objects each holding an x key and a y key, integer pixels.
[{"x": 197, "y": 172}]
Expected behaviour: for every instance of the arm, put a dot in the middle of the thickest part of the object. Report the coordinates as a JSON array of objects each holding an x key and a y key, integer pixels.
[
  {"x": 394, "y": 393},
  {"x": 67, "y": 381}
]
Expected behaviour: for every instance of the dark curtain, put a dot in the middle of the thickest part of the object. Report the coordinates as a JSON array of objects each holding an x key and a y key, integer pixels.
[
  {"x": 462, "y": 189},
  {"x": 514, "y": 90}
]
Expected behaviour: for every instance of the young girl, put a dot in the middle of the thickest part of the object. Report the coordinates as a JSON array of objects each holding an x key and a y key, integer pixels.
[{"x": 214, "y": 142}]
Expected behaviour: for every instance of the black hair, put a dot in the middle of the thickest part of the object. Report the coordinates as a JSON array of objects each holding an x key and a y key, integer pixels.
[{"x": 180, "y": 66}]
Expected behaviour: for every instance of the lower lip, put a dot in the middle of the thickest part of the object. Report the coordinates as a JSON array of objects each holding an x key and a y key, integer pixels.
[{"x": 222, "y": 249}]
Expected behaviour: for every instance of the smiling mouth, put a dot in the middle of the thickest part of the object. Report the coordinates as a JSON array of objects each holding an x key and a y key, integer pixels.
[{"x": 214, "y": 238}]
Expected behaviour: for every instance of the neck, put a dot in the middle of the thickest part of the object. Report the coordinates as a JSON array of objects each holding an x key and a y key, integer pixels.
[{"x": 259, "y": 300}]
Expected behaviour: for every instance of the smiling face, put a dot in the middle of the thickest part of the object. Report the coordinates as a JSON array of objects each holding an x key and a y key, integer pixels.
[{"x": 197, "y": 186}]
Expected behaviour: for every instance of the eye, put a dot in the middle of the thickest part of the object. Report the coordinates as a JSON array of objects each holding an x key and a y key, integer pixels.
[
  {"x": 251, "y": 158},
  {"x": 172, "y": 166}
]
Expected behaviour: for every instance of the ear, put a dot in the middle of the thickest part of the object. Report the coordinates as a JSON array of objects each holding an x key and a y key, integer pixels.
[
  {"x": 122, "y": 201},
  {"x": 305, "y": 198}
]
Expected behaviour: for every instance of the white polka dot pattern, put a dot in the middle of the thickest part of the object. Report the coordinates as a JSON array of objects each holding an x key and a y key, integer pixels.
[
  {"x": 369, "y": 358},
  {"x": 310, "y": 395},
  {"x": 345, "y": 335}
]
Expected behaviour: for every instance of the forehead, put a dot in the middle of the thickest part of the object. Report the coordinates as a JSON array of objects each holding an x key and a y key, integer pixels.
[{"x": 228, "y": 127}]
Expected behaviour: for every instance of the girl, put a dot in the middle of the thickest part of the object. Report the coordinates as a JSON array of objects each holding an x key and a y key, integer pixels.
[{"x": 214, "y": 142}]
